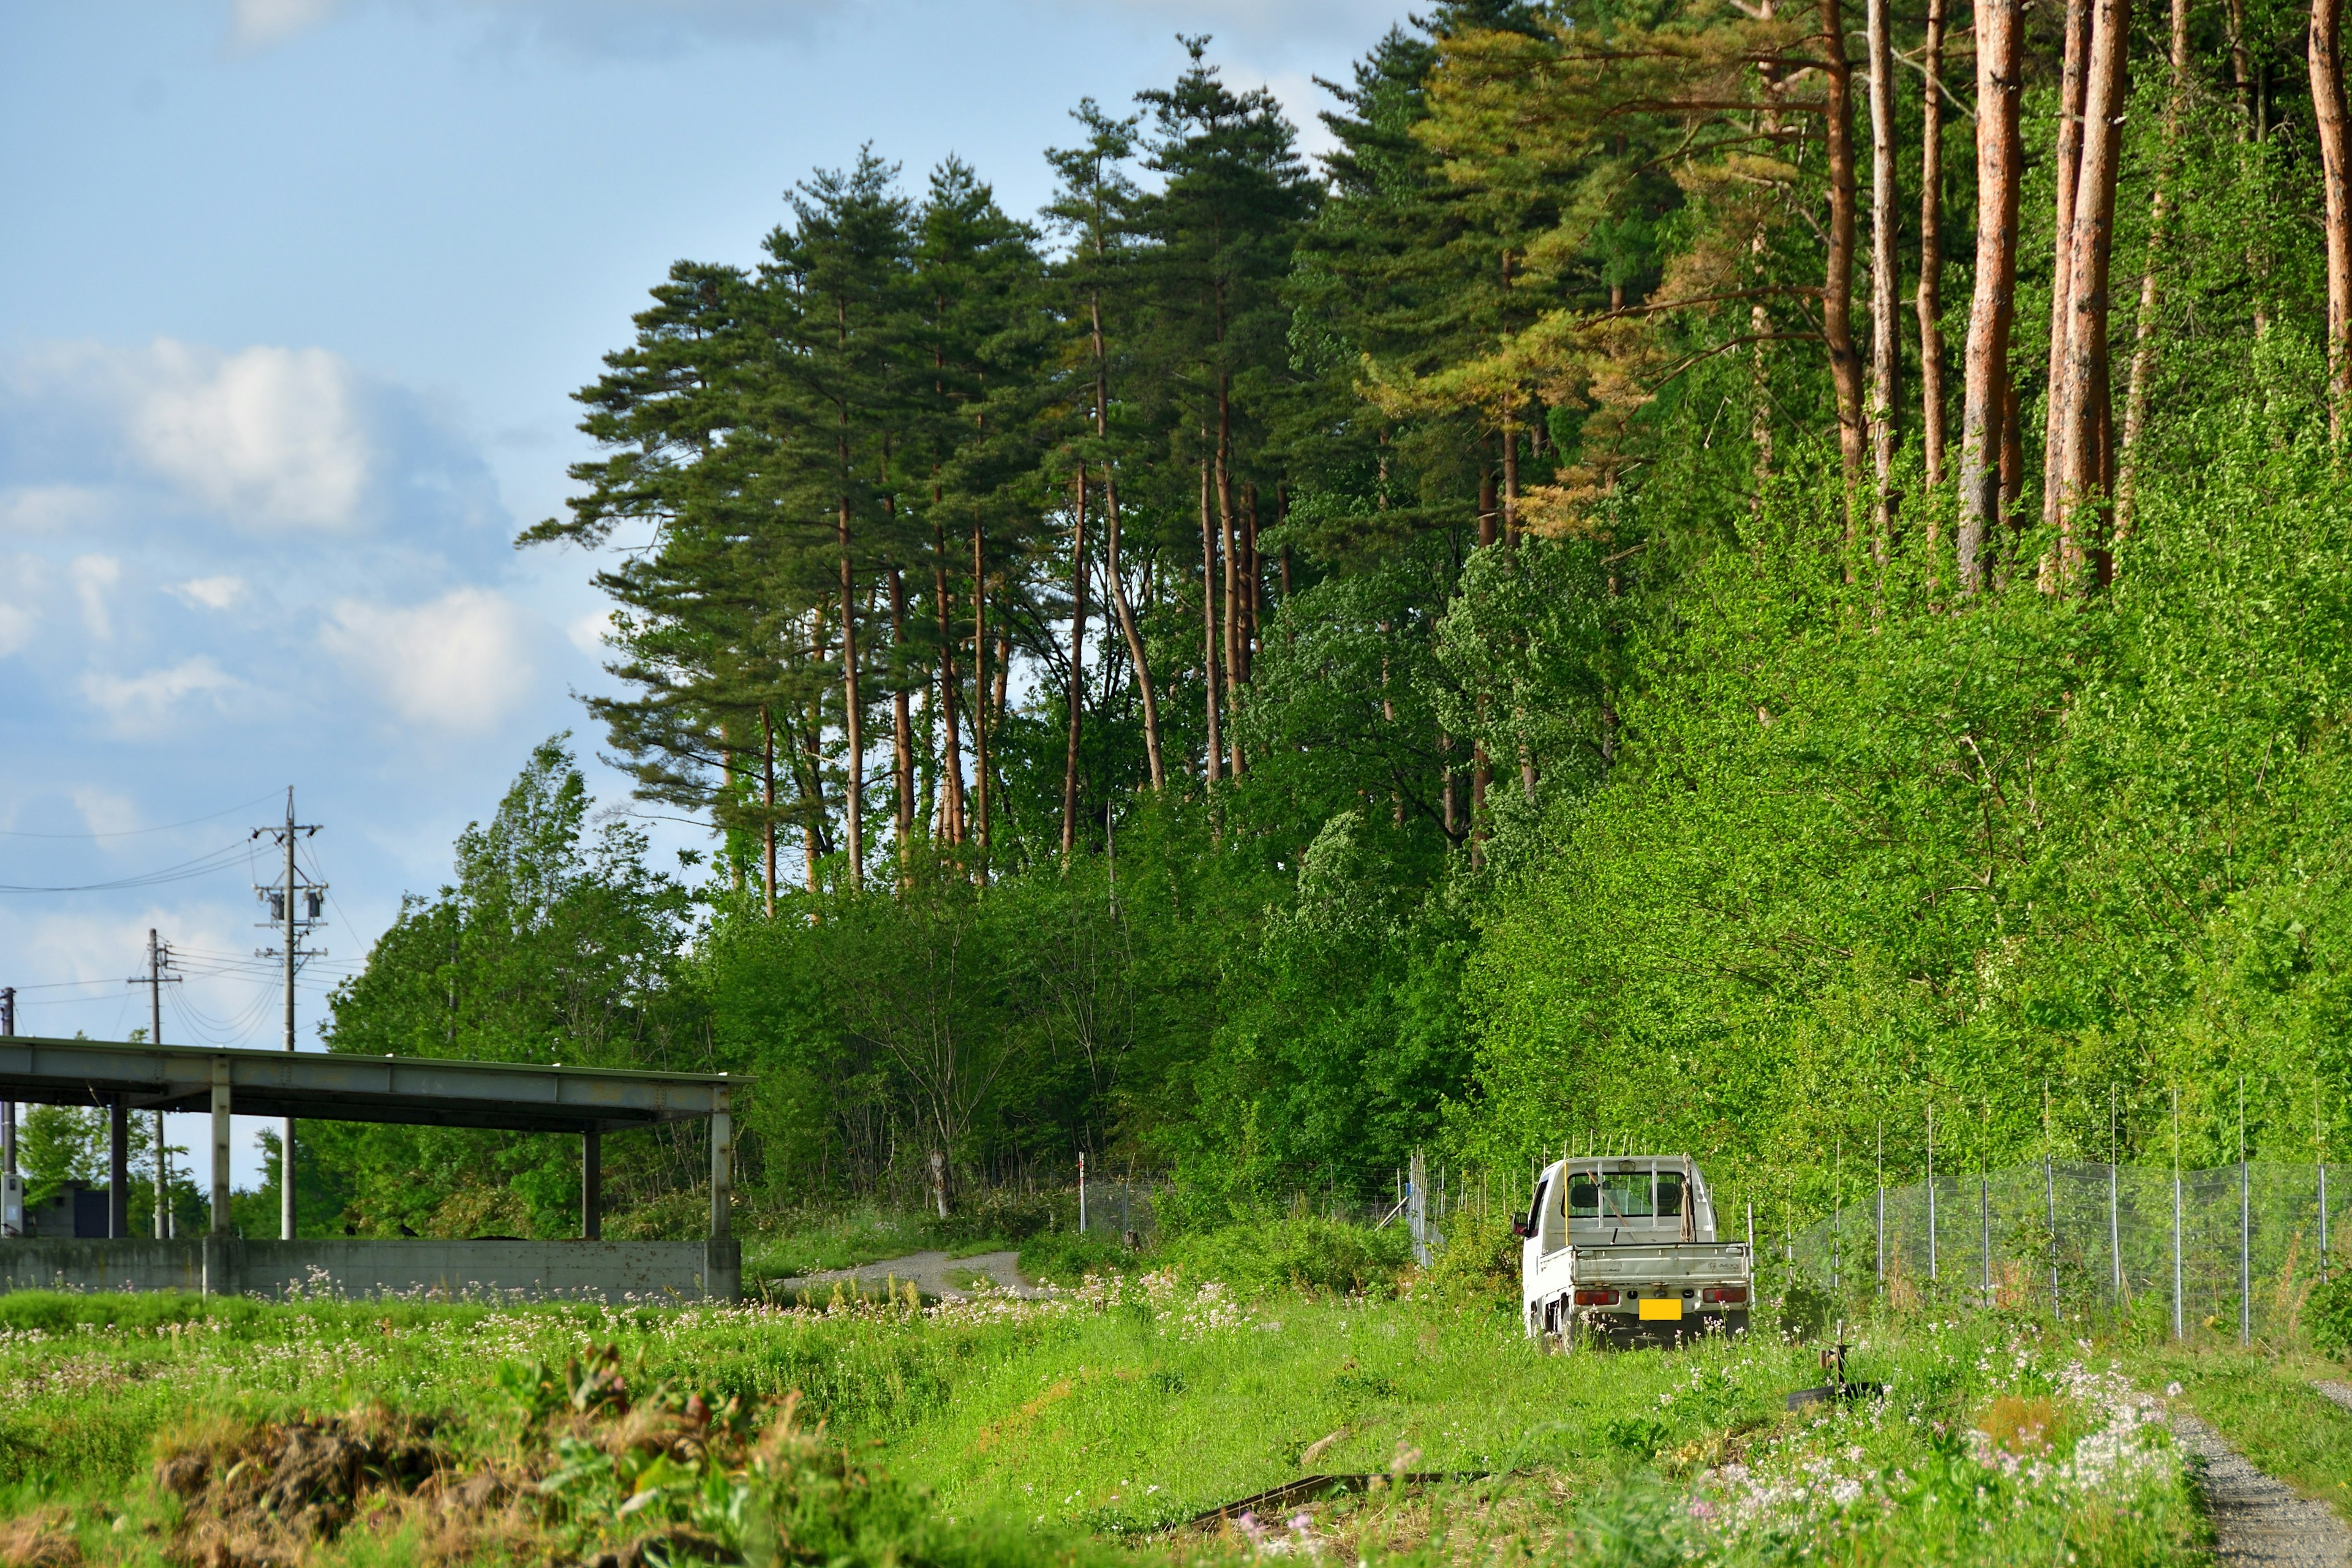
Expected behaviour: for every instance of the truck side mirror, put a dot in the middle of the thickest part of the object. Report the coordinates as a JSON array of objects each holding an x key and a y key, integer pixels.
[{"x": 1519, "y": 1226}]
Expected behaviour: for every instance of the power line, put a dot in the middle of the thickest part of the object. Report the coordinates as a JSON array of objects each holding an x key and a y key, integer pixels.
[
  {"x": 186, "y": 870},
  {"x": 137, "y": 831}
]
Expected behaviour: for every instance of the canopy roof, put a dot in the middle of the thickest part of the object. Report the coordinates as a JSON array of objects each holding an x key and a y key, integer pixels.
[{"x": 329, "y": 1087}]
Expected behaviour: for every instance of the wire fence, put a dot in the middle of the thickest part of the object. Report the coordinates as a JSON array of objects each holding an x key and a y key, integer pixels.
[{"x": 2231, "y": 1253}]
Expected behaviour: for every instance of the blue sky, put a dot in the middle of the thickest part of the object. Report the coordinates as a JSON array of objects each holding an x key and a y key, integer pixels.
[{"x": 293, "y": 297}]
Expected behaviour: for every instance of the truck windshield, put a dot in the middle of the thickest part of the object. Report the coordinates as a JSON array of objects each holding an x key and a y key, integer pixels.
[{"x": 1609, "y": 1196}]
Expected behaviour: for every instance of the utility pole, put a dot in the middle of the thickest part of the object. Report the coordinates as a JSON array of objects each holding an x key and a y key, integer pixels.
[
  {"x": 296, "y": 919},
  {"x": 159, "y": 961},
  {"x": 11, "y": 1188}
]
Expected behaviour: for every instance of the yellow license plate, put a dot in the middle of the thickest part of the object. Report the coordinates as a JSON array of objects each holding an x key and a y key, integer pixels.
[{"x": 1668, "y": 1308}]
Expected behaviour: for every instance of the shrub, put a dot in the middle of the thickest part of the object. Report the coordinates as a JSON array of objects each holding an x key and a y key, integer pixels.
[
  {"x": 1068, "y": 1257},
  {"x": 1312, "y": 1256},
  {"x": 2328, "y": 1316}
]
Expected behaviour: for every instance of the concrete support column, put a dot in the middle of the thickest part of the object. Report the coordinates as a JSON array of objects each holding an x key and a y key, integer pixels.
[
  {"x": 118, "y": 1169},
  {"x": 220, "y": 1146},
  {"x": 722, "y": 1167},
  {"x": 591, "y": 1185}
]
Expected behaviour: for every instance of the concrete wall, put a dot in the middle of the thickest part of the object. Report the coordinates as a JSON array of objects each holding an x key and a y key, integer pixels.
[{"x": 614, "y": 1271}]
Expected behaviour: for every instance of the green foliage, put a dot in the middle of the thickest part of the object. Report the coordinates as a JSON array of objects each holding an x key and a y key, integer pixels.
[
  {"x": 556, "y": 943},
  {"x": 2327, "y": 1316},
  {"x": 1307, "y": 1254}
]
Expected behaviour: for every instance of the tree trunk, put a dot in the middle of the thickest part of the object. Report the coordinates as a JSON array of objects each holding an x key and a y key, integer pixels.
[
  {"x": 2085, "y": 409},
  {"x": 2326, "y": 59},
  {"x": 768, "y": 801},
  {"x": 902, "y": 728},
  {"x": 853, "y": 722},
  {"x": 980, "y": 688},
  {"x": 1127, "y": 630},
  {"x": 1510, "y": 480},
  {"x": 1209, "y": 627},
  {"x": 2067, "y": 159},
  {"x": 1837, "y": 280},
  {"x": 1077, "y": 669},
  {"x": 1234, "y": 656},
  {"x": 1931, "y": 256},
  {"x": 1885, "y": 281},
  {"x": 1253, "y": 585},
  {"x": 1482, "y": 766},
  {"x": 2151, "y": 298},
  {"x": 1987, "y": 410},
  {"x": 951, "y": 810}
]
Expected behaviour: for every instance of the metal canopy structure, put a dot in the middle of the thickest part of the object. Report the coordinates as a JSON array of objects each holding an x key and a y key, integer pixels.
[
  {"x": 419, "y": 1090},
  {"x": 431, "y": 1092}
]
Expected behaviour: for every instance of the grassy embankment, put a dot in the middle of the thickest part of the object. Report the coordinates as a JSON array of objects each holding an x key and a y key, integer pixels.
[{"x": 1002, "y": 1432}]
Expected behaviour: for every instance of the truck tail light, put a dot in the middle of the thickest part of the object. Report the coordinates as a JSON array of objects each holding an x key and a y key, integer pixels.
[
  {"x": 1731, "y": 1295},
  {"x": 1596, "y": 1297}
]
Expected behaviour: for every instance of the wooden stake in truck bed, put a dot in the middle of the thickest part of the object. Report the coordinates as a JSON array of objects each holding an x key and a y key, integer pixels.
[{"x": 1622, "y": 1249}]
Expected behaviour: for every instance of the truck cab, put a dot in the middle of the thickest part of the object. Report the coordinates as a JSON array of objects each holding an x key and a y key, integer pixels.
[{"x": 1625, "y": 1248}]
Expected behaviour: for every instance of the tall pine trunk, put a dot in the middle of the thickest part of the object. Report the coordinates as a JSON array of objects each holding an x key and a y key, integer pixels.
[
  {"x": 1208, "y": 627},
  {"x": 1930, "y": 299},
  {"x": 902, "y": 728},
  {"x": 1077, "y": 670},
  {"x": 1988, "y": 399},
  {"x": 853, "y": 719},
  {"x": 1886, "y": 283},
  {"x": 951, "y": 801},
  {"x": 2067, "y": 161},
  {"x": 1482, "y": 766},
  {"x": 2327, "y": 102},
  {"x": 980, "y": 688},
  {"x": 1143, "y": 686},
  {"x": 1127, "y": 631},
  {"x": 1837, "y": 278},
  {"x": 768, "y": 805},
  {"x": 1234, "y": 656},
  {"x": 2086, "y": 408},
  {"x": 2151, "y": 287}
]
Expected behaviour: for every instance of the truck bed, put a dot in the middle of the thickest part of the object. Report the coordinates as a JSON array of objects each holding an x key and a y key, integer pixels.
[{"x": 1658, "y": 1263}]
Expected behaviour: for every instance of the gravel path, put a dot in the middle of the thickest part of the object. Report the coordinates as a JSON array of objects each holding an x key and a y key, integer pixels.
[
  {"x": 927, "y": 1271},
  {"x": 2258, "y": 1521},
  {"x": 2339, "y": 1392}
]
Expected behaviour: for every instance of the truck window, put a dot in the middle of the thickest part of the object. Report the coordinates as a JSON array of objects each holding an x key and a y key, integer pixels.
[
  {"x": 1583, "y": 1197},
  {"x": 1536, "y": 1208},
  {"x": 1669, "y": 1194},
  {"x": 1625, "y": 1195}
]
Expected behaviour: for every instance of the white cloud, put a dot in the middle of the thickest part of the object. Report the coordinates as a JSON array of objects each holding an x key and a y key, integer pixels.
[
  {"x": 270, "y": 436},
  {"x": 260, "y": 22},
  {"x": 460, "y": 662},
  {"x": 52, "y": 509},
  {"x": 94, "y": 581},
  {"x": 589, "y": 632},
  {"x": 138, "y": 701},
  {"x": 211, "y": 592},
  {"x": 105, "y": 811},
  {"x": 16, "y": 628}
]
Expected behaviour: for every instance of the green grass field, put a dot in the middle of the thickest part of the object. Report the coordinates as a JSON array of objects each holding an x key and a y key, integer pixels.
[{"x": 143, "y": 1429}]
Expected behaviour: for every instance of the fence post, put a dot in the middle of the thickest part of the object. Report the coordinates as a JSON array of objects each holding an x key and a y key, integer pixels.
[
  {"x": 2176, "y": 1215},
  {"x": 1984, "y": 1197},
  {"x": 1882, "y": 1205},
  {"x": 2050, "y": 1191},
  {"x": 2319, "y": 1148},
  {"x": 1931, "y": 1194},
  {"x": 2114, "y": 1226},
  {"x": 2245, "y": 1229},
  {"x": 1082, "y": 1192},
  {"x": 2050, "y": 1186},
  {"x": 1837, "y": 1208}
]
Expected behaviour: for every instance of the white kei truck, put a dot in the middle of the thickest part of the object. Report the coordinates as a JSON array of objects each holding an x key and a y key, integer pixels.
[{"x": 1622, "y": 1249}]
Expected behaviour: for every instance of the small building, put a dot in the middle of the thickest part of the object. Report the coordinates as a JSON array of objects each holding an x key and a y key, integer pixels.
[{"x": 78, "y": 1210}]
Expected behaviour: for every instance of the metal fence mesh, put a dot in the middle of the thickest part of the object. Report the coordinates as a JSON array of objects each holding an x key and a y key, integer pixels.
[{"x": 2097, "y": 1241}]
